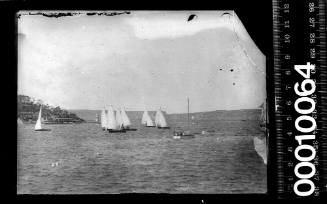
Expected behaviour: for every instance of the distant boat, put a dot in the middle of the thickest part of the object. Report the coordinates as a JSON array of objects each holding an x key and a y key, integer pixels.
[
  {"x": 104, "y": 119},
  {"x": 119, "y": 120},
  {"x": 146, "y": 120},
  {"x": 263, "y": 117},
  {"x": 185, "y": 134},
  {"x": 112, "y": 124},
  {"x": 97, "y": 119},
  {"x": 160, "y": 120},
  {"x": 260, "y": 142},
  {"x": 38, "y": 125},
  {"x": 126, "y": 121}
]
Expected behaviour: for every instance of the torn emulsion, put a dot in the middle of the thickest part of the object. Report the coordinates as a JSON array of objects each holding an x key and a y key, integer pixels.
[{"x": 68, "y": 13}]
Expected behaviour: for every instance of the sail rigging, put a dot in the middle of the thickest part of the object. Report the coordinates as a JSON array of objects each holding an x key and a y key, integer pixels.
[{"x": 185, "y": 134}]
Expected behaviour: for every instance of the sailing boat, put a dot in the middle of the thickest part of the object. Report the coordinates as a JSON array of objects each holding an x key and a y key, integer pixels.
[
  {"x": 146, "y": 120},
  {"x": 97, "y": 119},
  {"x": 160, "y": 120},
  {"x": 38, "y": 125},
  {"x": 263, "y": 117},
  {"x": 119, "y": 119},
  {"x": 126, "y": 121},
  {"x": 185, "y": 134},
  {"x": 112, "y": 124},
  {"x": 104, "y": 119},
  {"x": 260, "y": 142}
]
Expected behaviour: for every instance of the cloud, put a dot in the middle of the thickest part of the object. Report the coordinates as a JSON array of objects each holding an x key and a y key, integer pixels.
[{"x": 146, "y": 59}]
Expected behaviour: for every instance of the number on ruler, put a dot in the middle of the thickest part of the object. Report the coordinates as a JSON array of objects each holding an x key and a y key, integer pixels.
[
  {"x": 287, "y": 38},
  {"x": 306, "y": 67},
  {"x": 312, "y": 38},
  {"x": 312, "y": 22},
  {"x": 311, "y": 7},
  {"x": 286, "y": 8}
]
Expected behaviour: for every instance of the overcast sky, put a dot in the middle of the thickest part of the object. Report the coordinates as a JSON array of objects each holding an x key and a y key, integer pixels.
[{"x": 144, "y": 60}]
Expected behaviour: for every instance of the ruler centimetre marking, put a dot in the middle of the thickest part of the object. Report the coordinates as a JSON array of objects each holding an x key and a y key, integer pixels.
[{"x": 299, "y": 37}]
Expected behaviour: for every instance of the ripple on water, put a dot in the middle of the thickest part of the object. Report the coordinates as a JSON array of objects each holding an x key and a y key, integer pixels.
[{"x": 145, "y": 161}]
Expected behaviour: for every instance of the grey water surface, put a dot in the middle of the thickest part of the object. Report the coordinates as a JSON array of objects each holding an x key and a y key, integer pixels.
[{"x": 83, "y": 159}]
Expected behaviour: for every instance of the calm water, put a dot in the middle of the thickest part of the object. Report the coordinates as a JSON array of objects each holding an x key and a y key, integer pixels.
[{"x": 145, "y": 161}]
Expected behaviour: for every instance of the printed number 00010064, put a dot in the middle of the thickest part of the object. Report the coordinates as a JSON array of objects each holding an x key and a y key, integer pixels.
[{"x": 305, "y": 161}]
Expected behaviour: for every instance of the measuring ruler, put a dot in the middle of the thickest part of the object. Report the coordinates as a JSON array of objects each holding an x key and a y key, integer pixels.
[{"x": 300, "y": 88}]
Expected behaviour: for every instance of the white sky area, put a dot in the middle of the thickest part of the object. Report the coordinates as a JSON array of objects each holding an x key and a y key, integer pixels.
[{"x": 144, "y": 60}]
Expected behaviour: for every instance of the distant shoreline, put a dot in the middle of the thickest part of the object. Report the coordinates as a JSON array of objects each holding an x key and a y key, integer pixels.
[
  {"x": 251, "y": 109},
  {"x": 227, "y": 115}
]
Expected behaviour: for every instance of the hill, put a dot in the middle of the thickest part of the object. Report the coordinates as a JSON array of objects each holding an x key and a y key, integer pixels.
[{"x": 28, "y": 109}]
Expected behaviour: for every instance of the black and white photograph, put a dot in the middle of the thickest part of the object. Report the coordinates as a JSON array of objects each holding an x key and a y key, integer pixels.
[{"x": 116, "y": 102}]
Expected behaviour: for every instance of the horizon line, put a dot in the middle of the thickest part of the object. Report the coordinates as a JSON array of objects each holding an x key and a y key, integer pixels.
[{"x": 171, "y": 112}]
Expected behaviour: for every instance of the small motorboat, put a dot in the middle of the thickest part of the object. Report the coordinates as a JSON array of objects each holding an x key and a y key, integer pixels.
[{"x": 185, "y": 134}]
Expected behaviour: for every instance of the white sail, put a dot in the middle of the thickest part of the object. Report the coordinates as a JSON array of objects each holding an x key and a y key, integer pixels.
[
  {"x": 149, "y": 122},
  {"x": 119, "y": 119},
  {"x": 146, "y": 119},
  {"x": 104, "y": 118},
  {"x": 160, "y": 119},
  {"x": 156, "y": 118},
  {"x": 111, "y": 119},
  {"x": 38, "y": 125},
  {"x": 126, "y": 121}
]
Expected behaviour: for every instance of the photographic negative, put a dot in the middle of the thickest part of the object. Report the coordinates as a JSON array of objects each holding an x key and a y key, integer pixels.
[{"x": 140, "y": 102}]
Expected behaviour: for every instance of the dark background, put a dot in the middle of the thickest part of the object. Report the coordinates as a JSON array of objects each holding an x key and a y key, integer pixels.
[{"x": 256, "y": 16}]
